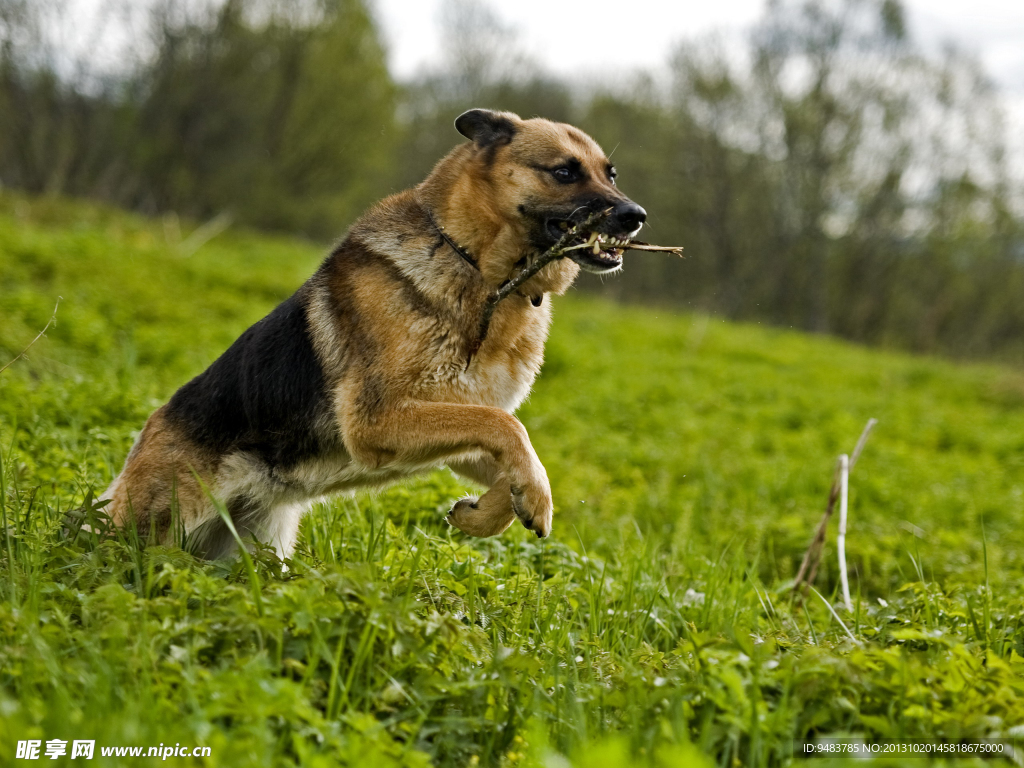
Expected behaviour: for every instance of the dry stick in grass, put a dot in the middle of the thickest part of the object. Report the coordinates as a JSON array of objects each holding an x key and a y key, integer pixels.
[
  {"x": 204, "y": 233},
  {"x": 812, "y": 557},
  {"x": 844, "y": 487},
  {"x": 558, "y": 251},
  {"x": 46, "y": 327}
]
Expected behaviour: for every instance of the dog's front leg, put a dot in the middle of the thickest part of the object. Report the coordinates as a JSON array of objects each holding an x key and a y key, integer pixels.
[
  {"x": 490, "y": 514},
  {"x": 419, "y": 433}
]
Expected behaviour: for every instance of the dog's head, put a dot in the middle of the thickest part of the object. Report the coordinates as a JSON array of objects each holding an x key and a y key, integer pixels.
[{"x": 539, "y": 178}]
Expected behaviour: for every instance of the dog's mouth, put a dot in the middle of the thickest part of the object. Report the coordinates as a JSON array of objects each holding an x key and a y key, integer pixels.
[{"x": 596, "y": 252}]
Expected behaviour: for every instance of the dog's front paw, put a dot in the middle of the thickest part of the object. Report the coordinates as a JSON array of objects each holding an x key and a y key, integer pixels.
[
  {"x": 462, "y": 511},
  {"x": 483, "y": 517},
  {"x": 533, "y": 506}
]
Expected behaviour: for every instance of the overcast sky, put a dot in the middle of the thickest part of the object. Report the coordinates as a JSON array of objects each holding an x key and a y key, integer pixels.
[{"x": 612, "y": 34}]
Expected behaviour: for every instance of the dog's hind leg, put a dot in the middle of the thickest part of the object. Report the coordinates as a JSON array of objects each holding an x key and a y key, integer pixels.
[
  {"x": 270, "y": 523},
  {"x": 211, "y": 540},
  {"x": 280, "y": 527},
  {"x": 157, "y": 490},
  {"x": 489, "y": 514}
]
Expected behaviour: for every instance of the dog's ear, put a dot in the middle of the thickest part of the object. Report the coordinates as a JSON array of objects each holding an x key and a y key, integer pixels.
[{"x": 485, "y": 127}]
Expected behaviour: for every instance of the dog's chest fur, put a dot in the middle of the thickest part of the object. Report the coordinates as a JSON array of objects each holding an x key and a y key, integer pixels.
[
  {"x": 436, "y": 299},
  {"x": 500, "y": 374}
]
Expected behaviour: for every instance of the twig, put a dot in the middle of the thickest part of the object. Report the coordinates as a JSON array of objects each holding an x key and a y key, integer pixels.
[
  {"x": 844, "y": 487},
  {"x": 636, "y": 245},
  {"x": 833, "y": 611},
  {"x": 813, "y": 551},
  {"x": 860, "y": 442},
  {"x": 46, "y": 327},
  {"x": 556, "y": 251},
  {"x": 204, "y": 234},
  {"x": 812, "y": 557},
  {"x": 633, "y": 245}
]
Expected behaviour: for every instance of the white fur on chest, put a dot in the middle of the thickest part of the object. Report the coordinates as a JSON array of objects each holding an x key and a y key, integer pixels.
[
  {"x": 499, "y": 384},
  {"x": 499, "y": 376}
]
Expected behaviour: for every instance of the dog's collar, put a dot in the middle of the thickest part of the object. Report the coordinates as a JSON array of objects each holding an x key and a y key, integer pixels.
[{"x": 466, "y": 256}]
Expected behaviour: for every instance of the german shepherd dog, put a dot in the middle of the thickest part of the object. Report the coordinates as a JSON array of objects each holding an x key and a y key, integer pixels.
[{"x": 361, "y": 377}]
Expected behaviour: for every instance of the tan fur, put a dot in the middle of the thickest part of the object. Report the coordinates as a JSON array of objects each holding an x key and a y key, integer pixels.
[
  {"x": 157, "y": 476},
  {"x": 391, "y": 319}
]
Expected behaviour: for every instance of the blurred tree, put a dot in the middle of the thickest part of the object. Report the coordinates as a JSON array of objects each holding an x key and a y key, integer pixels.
[
  {"x": 823, "y": 173},
  {"x": 281, "y": 113},
  {"x": 482, "y": 65},
  {"x": 826, "y": 181},
  {"x": 58, "y": 122},
  {"x": 831, "y": 78},
  {"x": 283, "y": 117}
]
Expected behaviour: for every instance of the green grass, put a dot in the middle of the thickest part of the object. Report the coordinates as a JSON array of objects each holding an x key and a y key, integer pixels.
[{"x": 689, "y": 458}]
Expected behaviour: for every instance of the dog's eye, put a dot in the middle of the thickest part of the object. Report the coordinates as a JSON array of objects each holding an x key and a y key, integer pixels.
[
  {"x": 564, "y": 175},
  {"x": 612, "y": 173}
]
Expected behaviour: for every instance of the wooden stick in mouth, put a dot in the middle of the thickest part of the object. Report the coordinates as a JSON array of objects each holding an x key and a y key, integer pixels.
[
  {"x": 558, "y": 251},
  {"x": 637, "y": 245},
  {"x": 630, "y": 245}
]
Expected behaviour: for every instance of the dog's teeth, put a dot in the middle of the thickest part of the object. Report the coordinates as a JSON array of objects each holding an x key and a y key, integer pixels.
[
  {"x": 597, "y": 248},
  {"x": 592, "y": 238}
]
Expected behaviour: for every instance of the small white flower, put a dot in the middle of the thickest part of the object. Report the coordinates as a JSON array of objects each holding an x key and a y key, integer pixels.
[{"x": 693, "y": 597}]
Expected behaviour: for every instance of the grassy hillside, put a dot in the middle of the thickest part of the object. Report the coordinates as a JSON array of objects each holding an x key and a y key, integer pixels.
[{"x": 689, "y": 458}]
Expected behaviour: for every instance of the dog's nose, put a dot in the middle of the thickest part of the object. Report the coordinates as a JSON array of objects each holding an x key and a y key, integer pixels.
[{"x": 627, "y": 217}]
